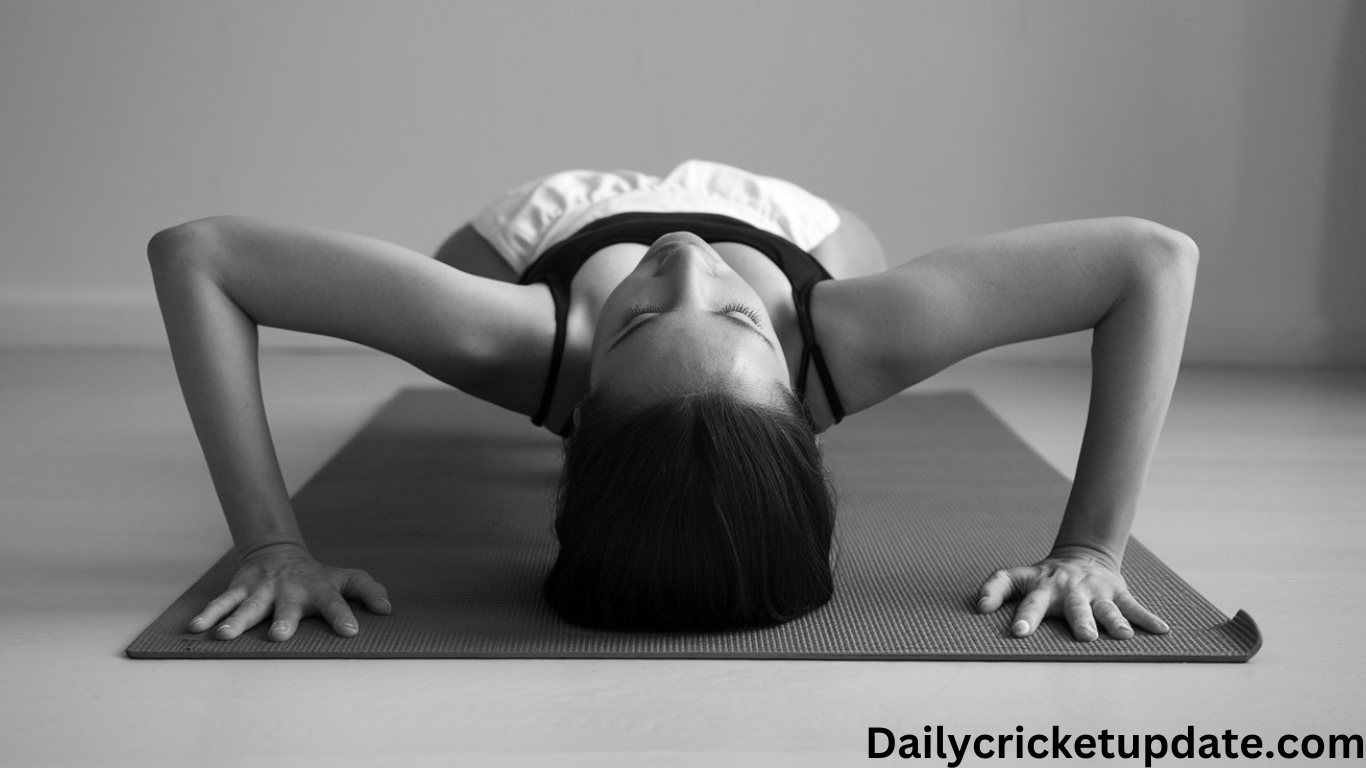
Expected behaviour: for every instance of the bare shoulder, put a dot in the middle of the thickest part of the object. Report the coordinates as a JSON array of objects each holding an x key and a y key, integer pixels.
[
  {"x": 850, "y": 253},
  {"x": 516, "y": 322},
  {"x": 880, "y": 331},
  {"x": 883, "y": 333},
  {"x": 514, "y": 365},
  {"x": 857, "y": 321}
]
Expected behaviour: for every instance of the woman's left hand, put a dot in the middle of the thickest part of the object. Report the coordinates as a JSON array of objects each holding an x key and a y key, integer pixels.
[{"x": 1082, "y": 585}]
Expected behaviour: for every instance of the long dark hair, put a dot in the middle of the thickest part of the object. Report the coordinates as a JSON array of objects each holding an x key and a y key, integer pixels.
[{"x": 700, "y": 512}]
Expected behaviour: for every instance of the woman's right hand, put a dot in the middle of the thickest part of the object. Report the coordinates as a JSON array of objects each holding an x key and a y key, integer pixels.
[{"x": 285, "y": 577}]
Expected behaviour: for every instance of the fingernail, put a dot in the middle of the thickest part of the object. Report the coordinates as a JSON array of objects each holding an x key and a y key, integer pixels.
[
  {"x": 1020, "y": 627},
  {"x": 981, "y": 604},
  {"x": 385, "y": 603},
  {"x": 223, "y": 629},
  {"x": 279, "y": 628},
  {"x": 348, "y": 627}
]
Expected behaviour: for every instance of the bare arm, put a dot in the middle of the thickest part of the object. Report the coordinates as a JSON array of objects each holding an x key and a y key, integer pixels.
[
  {"x": 1129, "y": 280},
  {"x": 218, "y": 279}
]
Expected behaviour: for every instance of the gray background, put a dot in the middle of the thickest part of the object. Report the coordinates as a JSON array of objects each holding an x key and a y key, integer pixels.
[{"x": 1241, "y": 123}]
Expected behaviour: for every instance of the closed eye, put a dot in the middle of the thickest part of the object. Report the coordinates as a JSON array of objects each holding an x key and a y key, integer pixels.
[
  {"x": 634, "y": 311},
  {"x": 744, "y": 310},
  {"x": 747, "y": 325}
]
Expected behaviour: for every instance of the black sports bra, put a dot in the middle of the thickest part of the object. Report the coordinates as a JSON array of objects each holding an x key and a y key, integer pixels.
[{"x": 558, "y": 265}]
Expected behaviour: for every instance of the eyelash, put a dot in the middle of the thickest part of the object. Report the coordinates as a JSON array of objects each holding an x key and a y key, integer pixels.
[
  {"x": 744, "y": 310},
  {"x": 640, "y": 309},
  {"x": 636, "y": 310}
]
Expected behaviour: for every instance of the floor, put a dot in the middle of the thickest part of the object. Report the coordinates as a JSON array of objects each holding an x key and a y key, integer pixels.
[{"x": 1257, "y": 497}]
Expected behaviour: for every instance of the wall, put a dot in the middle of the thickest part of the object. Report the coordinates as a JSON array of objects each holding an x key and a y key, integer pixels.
[{"x": 1241, "y": 123}]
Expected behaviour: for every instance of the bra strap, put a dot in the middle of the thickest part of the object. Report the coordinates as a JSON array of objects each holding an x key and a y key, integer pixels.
[
  {"x": 811, "y": 353},
  {"x": 558, "y": 293}
]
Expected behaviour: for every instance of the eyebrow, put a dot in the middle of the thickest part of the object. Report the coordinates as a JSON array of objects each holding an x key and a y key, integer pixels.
[{"x": 728, "y": 318}]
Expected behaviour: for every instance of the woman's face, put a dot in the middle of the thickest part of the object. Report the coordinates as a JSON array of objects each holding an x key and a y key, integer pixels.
[{"x": 683, "y": 322}]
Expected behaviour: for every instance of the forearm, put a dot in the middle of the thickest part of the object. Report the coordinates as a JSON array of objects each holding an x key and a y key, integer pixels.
[
  {"x": 1136, "y": 352},
  {"x": 214, "y": 346}
]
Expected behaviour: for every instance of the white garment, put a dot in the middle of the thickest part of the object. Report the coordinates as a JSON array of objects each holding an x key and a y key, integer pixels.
[{"x": 529, "y": 219}]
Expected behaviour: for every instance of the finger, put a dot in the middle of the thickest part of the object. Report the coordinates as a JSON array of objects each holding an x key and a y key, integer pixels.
[
  {"x": 250, "y": 613},
  {"x": 287, "y": 615},
  {"x": 1140, "y": 616},
  {"x": 334, "y": 609},
  {"x": 220, "y": 606},
  {"x": 1077, "y": 609},
  {"x": 1108, "y": 615},
  {"x": 1031, "y": 612},
  {"x": 997, "y": 589},
  {"x": 363, "y": 587}
]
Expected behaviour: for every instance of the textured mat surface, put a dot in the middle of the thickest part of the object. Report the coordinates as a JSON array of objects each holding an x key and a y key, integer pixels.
[{"x": 446, "y": 501}]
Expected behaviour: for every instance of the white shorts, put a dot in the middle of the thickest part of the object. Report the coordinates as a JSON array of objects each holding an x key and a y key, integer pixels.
[{"x": 529, "y": 219}]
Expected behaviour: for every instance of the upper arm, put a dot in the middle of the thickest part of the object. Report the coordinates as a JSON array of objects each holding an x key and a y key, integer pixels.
[
  {"x": 487, "y": 337},
  {"x": 886, "y": 332}
]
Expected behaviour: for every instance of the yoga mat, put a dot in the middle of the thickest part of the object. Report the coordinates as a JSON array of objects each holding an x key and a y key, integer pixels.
[{"x": 446, "y": 501}]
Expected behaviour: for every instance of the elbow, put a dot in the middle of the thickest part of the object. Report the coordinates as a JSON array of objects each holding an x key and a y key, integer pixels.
[
  {"x": 1162, "y": 255},
  {"x": 184, "y": 246},
  {"x": 1178, "y": 251},
  {"x": 169, "y": 245}
]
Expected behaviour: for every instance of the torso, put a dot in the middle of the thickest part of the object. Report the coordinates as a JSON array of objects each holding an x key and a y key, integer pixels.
[{"x": 851, "y": 251}]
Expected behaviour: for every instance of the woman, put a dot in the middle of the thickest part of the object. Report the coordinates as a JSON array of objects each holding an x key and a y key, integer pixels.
[{"x": 688, "y": 335}]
